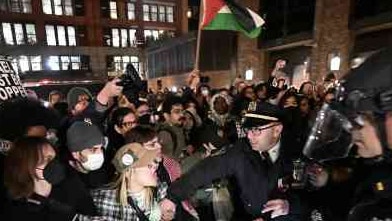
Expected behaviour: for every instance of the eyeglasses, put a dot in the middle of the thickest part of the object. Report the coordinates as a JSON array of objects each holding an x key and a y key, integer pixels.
[
  {"x": 129, "y": 124},
  {"x": 258, "y": 130}
]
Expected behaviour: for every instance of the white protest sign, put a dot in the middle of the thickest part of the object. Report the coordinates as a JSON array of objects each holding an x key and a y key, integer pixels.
[{"x": 10, "y": 85}]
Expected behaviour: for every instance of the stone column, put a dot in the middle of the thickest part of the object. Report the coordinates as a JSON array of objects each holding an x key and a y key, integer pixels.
[
  {"x": 248, "y": 54},
  {"x": 332, "y": 35},
  {"x": 182, "y": 24}
]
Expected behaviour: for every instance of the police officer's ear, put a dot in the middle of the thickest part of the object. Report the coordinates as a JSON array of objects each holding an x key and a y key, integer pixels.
[{"x": 277, "y": 130}]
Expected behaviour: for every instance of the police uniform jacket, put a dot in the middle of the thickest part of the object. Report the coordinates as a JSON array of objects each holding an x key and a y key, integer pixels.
[{"x": 239, "y": 163}]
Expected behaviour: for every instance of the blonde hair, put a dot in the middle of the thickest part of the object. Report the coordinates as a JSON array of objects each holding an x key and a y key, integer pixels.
[{"x": 121, "y": 185}]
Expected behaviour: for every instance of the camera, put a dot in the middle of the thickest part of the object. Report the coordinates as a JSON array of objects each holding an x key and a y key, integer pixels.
[
  {"x": 130, "y": 78},
  {"x": 132, "y": 83}
]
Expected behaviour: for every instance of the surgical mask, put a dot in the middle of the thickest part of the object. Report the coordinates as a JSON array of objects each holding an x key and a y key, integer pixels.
[
  {"x": 54, "y": 172},
  {"x": 205, "y": 92},
  {"x": 94, "y": 162}
]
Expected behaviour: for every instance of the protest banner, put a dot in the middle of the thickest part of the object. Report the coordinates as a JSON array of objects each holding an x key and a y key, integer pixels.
[{"x": 10, "y": 84}]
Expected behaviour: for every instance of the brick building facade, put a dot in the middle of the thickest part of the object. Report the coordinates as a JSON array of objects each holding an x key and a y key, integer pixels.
[
  {"x": 345, "y": 30},
  {"x": 62, "y": 40}
]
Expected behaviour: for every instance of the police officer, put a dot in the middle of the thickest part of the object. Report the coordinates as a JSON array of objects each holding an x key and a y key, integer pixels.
[
  {"x": 252, "y": 165},
  {"x": 361, "y": 115}
]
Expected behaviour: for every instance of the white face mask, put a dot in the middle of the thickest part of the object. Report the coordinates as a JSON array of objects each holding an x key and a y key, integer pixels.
[
  {"x": 205, "y": 92},
  {"x": 274, "y": 101},
  {"x": 94, "y": 162}
]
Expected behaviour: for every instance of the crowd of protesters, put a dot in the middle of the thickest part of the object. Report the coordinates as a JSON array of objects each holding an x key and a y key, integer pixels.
[{"x": 167, "y": 155}]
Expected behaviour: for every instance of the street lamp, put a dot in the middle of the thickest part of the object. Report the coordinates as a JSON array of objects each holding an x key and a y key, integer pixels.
[
  {"x": 249, "y": 74},
  {"x": 334, "y": 64},
  {"x": 189, "y": 13}
]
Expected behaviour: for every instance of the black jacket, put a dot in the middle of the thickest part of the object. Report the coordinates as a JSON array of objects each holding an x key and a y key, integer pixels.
[
  {"x": 239, "y": 163},
  {"x": 363, "y": 191},
  {"x": 37, "y": 208},
  {"x": 73, "y": 192},
  {"x": 372, "y": 198}
]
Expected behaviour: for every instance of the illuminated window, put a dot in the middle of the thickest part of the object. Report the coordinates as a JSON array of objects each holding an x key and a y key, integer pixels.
[
  {"x": 147, "y": 33},
  {"x": 121, "y": 62},
  {"x": 115, "y": 38},
  {"x": 131, "y": 11},
  {"x": 135, "y": 62},
  {"x": 18, "y": 34},
  {"x": 68, "y": 9},
  {"x": 154, "y": 12},
  {"x": 146, "y": 12},
  {"x": 30, "y": 34},
  {"x": 122, "y": 38},
  {"x": 50, "y": 35},
  {"x": 169, "y": 13},
  {"x": 162, "y": 13},
  {"x": 24, "y": 64},
  {"x": 58, "y": 7},
  {"x": 113, "y": 10},
  {"x": 64, "y": 62},
  {"x": 7, "y": 34},
  {"x": 153, "y": 34},
  {"x": 75, "y": 62},
  {"x": 132, "y": 37},
  {"x": 60, "y": 35},
  {"x": 47, "y": 7},
  {"x": 71, "y": 36},
  {"x": 53, "y": 63},
  {"x": 36, "y": 63},
  {"x": 117, "y": 63},
  {"x": 20, "y": 6},
  {"x": 125, "y": 61}
]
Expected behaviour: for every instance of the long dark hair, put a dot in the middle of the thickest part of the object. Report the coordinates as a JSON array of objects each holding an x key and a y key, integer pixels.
[
  {"x": 116, "y": 140},
  {"x": 119, "y": 114},
  {"x": 20, "y": 165}
]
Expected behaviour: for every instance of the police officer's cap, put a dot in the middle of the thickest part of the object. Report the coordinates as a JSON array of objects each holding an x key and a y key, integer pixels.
[{"x": 265, "y": 113}]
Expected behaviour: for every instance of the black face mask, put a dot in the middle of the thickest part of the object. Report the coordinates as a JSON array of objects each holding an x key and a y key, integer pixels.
[
  {"x": 145, "y": 119},
  {"x": 292, "y": 114},
  {"x": 291, "y": 109},
  {"x": 54, "y": 172}
]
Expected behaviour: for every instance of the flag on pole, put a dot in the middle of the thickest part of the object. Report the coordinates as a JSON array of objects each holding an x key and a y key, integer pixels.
[{"x": 228, "y": 15}]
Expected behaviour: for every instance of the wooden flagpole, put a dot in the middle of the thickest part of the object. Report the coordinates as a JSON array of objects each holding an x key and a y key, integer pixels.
[{"x": 197, "y": 59}]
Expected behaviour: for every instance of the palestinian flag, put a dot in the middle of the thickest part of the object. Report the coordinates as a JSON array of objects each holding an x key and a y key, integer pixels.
[{"x": 228, "y": 15}]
